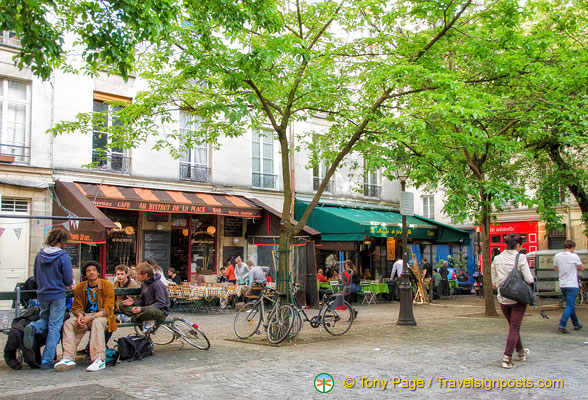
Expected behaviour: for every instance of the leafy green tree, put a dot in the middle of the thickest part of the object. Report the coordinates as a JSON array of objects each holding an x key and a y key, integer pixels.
[
  {"x": 350, "y": 61},
  {"x": 462, "y": 136},
  {"x": 108, "y": 33},
  {"x": 557, "y": 131}
]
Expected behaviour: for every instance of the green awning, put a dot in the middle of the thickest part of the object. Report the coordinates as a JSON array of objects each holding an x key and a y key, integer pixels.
[{"x": 343, "y": 224}]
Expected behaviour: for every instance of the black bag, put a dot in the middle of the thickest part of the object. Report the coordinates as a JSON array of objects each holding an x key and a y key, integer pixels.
[
  {"x": 135, "y": 347},
  {"x": 515, "y": 288},
  {"x": 15, "y": 341}
]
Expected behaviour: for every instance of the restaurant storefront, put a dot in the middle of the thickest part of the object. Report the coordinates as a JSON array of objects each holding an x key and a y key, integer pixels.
[
  {"x": 183, "y": 230},
  {"x": 371, "y": 238}
]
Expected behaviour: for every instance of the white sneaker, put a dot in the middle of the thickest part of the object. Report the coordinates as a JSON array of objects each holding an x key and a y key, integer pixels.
[
  {"x": 65, "y": 364},
  {"x": 524, "y": 355},
  {"x": 147, "y": 325},
  {"x": 97, "y": 365}
]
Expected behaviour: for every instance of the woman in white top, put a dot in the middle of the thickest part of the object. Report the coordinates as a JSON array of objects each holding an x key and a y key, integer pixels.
[{"x": 514, "y": 312}]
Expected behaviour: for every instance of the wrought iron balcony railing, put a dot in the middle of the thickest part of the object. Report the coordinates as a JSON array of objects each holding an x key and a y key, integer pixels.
[
  {"x": 371, "y": 190},
  {"x": 112, "y": 162},
  {"x": 264, "y": 180},
  {"x": 12, "y": 153},
  {"x": 194, "y": 172},
  {"x": 316, "y": 182}
]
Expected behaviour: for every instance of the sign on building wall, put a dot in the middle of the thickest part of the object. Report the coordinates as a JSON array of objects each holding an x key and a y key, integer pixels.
[{"x": 390, "y": 249}]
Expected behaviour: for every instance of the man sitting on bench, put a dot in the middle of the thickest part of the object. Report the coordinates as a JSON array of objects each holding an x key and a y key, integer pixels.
[
  {"x": 93, "y": 310},
  {"x": 153, "y": 304}
]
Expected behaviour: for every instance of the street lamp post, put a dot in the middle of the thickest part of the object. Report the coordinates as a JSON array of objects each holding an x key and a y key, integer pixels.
[{"x": 405, "y": 316}]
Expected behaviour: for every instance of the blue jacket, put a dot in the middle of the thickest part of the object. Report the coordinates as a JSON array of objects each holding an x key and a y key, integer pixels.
[{"x": 53, "y": 273}]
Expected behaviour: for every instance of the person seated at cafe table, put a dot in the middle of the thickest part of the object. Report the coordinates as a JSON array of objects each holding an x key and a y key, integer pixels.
[
  {"x": 198, "y": 278},
  {"x": 367, "y": 275},
  {"x": 222, "y": 278},
  {"x": 153, "y": 304},
  {"x": 336, "y": 276},
  {"x": 320, "y": 277},
  {"x": 93, "y": 310},
  {"x": 268, "y": 275},
  {"x": 174, "y": 278}
]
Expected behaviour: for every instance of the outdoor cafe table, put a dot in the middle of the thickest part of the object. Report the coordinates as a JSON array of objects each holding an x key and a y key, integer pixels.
[{"x": 377, "y": 288}]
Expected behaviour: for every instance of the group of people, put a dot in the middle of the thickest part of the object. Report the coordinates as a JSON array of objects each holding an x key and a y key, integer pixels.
[
  {"x": 567, "y": 263},
  {"x": 94, "y": 306},
  {"x": 236, "y": 271}
]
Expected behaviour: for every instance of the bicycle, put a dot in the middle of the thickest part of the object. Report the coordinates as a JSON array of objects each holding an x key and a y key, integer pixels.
[
  {"x": 178, "y": 328},
  {"x": 581, "y": 297},
  {"x": 336, "y": 319},
  {"x": 277, "y": 324}
]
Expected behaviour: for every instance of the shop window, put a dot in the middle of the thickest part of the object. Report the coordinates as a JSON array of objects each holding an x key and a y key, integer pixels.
[
  {"x": 194, "y": 161},
  {"x": 9, "y": 38},
  {"x": 106, "y": 155},
  {"x": 263, "y": 160},
  {"x": 204, "y": 235},
  {"x": 429, "y": 207},
  {"x": 496, "y": 239},
  {"x": 14, "y": 121},
  {"x": 121, "y": 243}
]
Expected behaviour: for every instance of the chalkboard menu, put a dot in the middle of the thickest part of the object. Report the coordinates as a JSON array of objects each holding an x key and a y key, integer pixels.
[
  {"x": 233, "y": 227},
  {"x": 156, "y": 246},
  {"x": 73, "y": 250}
]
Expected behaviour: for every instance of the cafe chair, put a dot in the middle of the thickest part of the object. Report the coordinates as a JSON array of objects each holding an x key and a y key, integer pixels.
[{"x": 369, "y": 296}]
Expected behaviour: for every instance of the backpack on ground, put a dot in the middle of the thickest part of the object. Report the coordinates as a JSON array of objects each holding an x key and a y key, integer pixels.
[
  {"x": 112, "y": 357},
  {"x": 137, "y": 347},
  {"x": 14, "y": 344}
]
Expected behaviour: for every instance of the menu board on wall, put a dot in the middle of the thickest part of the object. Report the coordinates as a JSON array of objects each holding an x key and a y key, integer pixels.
[
  {"x": 156, "y": 246},
  {"x": 73, "y": 250},
  {"x": 233, "y": 227}
]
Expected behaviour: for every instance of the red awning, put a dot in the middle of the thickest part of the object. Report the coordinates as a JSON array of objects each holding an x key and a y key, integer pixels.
[
  {"x": 168, "y": 201},
  {"x": 70, "y": 198}
]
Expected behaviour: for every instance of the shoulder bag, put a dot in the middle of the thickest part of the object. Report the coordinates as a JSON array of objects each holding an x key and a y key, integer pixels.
[{"x": 515, "y": 288}]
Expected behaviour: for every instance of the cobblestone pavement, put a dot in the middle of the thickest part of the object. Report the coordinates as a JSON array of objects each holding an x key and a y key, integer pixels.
[{"x": 452, "y": 340}]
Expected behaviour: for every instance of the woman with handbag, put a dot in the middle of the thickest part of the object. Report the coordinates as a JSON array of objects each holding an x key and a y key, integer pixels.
[{"x": 503, "y": 267}]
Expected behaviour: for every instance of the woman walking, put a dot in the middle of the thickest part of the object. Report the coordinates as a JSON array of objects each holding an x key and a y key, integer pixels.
[{"x": 502, "y": 265}]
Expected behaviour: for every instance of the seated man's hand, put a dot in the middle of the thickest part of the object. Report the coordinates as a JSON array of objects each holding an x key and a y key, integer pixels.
[
  {"x": 128, "y": 301},
  {"x": 136, "y": 310},
  {"x": 81, "y": 322}
]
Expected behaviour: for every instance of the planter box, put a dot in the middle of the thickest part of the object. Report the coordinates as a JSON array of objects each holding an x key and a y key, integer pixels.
[{"x": 6, "y": 158}]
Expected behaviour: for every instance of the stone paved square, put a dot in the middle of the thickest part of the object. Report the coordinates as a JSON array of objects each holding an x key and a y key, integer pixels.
[{"x": 451, "y": 342}]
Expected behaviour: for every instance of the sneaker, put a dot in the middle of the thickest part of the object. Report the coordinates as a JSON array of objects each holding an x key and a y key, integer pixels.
[
  {"x": 47, "y": 366},
  {"x": 97, "y": 365},
  {"x": 147, "y": 326},
  {"x": 524, "y": 354},
  {"x": 562, "y": 329},
  {"x": 507, "y": 362},
  {"x": 28, "y": 339},
  {"x": 65, "y": 365},
  {"x": 577, "y": 327}
]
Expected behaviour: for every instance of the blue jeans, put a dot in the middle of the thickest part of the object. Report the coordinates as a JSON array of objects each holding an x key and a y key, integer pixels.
[
  {"x": 569, "y": 294},
  {"x": 51, "y": 317}
]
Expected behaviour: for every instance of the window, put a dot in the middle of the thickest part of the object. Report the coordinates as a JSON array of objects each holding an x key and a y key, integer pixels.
[
  {"x": 9, "y": 38},
  {"x": 9, "y": 204},
  {"x": 320, "y": 170},
  {"x": 263, "y": 160},
  {"x": 111, "y": 159},
  {"x": 194, "y": 162},
  {"x": 14, "y": 117},
  {"x": 370, "y": 183},
  {"x": 556, "y": 237},
  {"x": 429, "y": 207}
]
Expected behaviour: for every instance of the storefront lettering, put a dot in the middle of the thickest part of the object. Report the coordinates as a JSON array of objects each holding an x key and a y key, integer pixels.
[
  {"x": 159, "y": 207},
  {"x": 142, "y": 206},
  {"x": 123, "y": 204}
]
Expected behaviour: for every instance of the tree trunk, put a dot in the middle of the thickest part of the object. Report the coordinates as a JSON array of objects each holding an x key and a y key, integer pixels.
[{"x": 489, "y": 309}]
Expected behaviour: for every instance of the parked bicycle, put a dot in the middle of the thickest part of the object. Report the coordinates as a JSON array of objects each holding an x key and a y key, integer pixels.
[
  {"x": 277, "y": 322},
  {"x": 335, "y": 318},
  {"x": 581, "y": 297},
  {"x": 177, "y": 328}
]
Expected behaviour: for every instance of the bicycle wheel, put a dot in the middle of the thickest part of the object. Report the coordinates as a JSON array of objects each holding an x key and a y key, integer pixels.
[
  {"x": 191, "y": 335},
  {"x": 280, "y": 323},
  {"x": 161, "y": 335},
  {"x": 580, "y": 298},
  {"x": 338, "y": 320},
  {"x": 297, "y": 325},
  {"x": 247, "y": 320}
]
